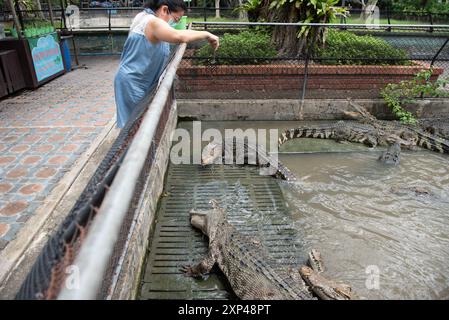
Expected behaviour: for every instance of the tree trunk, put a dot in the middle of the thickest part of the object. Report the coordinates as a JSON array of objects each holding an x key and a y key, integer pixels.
[
  {"x": 242, "y": 14},
  {"x": 217, "y": 8},
  {"x": 38, "y": 6},
  {"x": 366, "y": 7},
  {"x": 285, "y": 38},
  {"x": 50, "y": 13},
  {"x": 15, "y": 17}
]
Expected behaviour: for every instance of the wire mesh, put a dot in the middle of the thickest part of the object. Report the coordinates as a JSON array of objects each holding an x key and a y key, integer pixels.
[
  {"x": 50, "y": 269},
  {"x": 108, "y": 280},
  {"x": 270, "y": 61}
]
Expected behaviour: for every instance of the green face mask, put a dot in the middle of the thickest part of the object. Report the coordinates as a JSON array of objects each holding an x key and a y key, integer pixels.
[{"x": 172, "y": 23}]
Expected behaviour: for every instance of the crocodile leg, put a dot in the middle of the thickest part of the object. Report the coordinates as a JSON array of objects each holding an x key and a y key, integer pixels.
[{"x": 201, "y": 269}]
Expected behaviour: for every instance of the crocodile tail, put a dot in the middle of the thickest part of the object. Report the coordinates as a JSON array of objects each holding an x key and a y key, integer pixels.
[
  {"x": 285, "y": 136},
  {"x": 317, "y": 133},
  {"x": 434, "y": 144}
]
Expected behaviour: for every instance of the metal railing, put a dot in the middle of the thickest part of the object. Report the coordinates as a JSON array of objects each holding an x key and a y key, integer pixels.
[
  {"x": 83, "y": 232},
  {"x": 98, "y": 246},
  {"x": 116, "y": 18}
]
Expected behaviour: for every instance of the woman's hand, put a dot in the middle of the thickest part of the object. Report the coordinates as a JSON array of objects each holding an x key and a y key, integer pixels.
[{"x": 213, "y": 41}]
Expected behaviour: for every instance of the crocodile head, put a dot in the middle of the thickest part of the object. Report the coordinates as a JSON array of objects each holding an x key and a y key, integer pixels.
[
  {"x": 207, "y": 221},
  {"x": 212, "y": 153},
  {"x": 392, "y": 155},
  {"x": 315, "y": 260},
  {"x": 324, "y": 288}
]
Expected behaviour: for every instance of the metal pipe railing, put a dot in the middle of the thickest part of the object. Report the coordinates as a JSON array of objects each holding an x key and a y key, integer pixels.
[
  {"x": 202, "y": 12},
  {"x": 97, "y": 249},
  {"x": 330, "y": 25}
]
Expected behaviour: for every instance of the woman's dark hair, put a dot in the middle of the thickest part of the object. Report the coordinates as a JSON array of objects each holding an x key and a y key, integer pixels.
[{"x": 173, "y": 5}]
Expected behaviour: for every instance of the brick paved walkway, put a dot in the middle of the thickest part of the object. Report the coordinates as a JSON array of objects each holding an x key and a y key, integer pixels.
[{"x": 43, "y": 133}]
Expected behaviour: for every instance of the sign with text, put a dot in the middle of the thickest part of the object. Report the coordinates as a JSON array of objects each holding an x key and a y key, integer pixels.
[{"x": 46, "y": 54}]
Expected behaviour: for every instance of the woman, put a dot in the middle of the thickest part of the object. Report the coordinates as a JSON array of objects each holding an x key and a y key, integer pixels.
[{"x": 146, "y": 51}]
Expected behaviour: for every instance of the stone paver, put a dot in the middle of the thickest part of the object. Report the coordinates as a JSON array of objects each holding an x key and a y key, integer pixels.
[{"x": 42, "y": 134}]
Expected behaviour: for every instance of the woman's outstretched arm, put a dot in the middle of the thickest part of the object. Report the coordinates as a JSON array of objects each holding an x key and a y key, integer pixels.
[{"x": 158, "y": 30}]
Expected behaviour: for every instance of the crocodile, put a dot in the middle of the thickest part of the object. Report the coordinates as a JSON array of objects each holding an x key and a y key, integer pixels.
[
  {"x": 243, "y": 260},
  {"x": 233, "y": 150},
  {"x": 436, "y": 126},
  {"x": 338, "y": 131},
  {"x": 322, "y": 287},
  {"x": 392, "y": 155},
  {"x": 382, "y": 133},
  {"x": 412, "y": 190},
  {"x": 432, "y": 137},
  {"x": 250, "y": 269}
]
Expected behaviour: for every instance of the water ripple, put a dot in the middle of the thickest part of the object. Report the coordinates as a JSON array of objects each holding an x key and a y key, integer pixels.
[{"x": 361, "y": 213}]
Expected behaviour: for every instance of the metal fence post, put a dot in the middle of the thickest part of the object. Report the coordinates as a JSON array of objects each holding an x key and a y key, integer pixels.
[
  {"x": 431, "y": 21},
  {"x": 388, "y": 19},
  {"x": 304, "y": 83},
  {"x": 20, "y": 16},
  {"x": 438, "y": 52},
  {"x": 109, "y": 19},
  {"x": 205, "y": 15}
]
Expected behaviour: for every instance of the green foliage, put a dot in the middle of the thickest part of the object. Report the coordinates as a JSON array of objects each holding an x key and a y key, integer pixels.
[
  {"x": 305, "y": 11},
  {"x": 250, "y": 5},
  {"x": 37, "y": 23},
  {"x": 422, "y": 6},
  {"x": 252, "y": 8},
  {"x": 317, "y": 11},
  {"x": 398, "y": 94},
  {"x": 343, "y": 47},
  {"x": 236, "y": 48}
]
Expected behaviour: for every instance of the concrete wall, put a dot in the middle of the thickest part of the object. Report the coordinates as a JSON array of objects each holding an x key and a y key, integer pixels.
[{"x": 286, "y": 109}]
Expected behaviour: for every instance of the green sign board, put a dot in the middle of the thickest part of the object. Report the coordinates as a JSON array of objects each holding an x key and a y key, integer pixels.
[{"x": 46, "y": 54}]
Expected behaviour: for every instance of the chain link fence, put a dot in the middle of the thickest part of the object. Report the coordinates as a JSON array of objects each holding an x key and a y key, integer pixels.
[
  {"x": 117, "y": 18},
  {"x": 270, "y": 61},
  {"x": 54, "y": 265}
]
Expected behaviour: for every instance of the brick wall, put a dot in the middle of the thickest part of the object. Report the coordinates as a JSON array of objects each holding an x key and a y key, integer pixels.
[{"x": 286, "y": 81}]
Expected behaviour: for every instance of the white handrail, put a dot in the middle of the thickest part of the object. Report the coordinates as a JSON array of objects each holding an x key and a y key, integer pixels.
[
  {"x": 329, "y": 25},
  {"x": 93, "y": 258}
]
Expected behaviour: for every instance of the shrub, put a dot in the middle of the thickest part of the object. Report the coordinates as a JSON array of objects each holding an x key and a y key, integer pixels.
[
  {"x": 343, "y": 47},
  {"x": 420, "y": 7},
  {"x": 242, "y": 48},
  {"x": 396, "y": 95}
]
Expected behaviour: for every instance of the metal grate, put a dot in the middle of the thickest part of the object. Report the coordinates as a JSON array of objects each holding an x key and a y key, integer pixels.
[{"x": 254, "y": 205}]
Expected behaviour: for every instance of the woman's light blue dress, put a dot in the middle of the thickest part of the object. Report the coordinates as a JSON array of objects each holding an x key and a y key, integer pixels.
[{"x": 141, "y": 65}]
